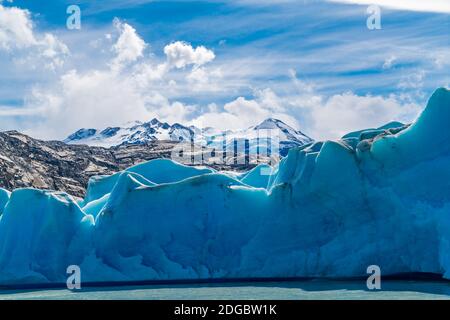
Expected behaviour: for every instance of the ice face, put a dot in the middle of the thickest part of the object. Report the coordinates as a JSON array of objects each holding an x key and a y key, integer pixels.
[
  {"x": 156, "y": 171},
  {"x": 327, "y": 210},
  {"x": 41, "y": 234},
  {"x": 258, "y": 177},
  {"x": 4, "y": 197}
]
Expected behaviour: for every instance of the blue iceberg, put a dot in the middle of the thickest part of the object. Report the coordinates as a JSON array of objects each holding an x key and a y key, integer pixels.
[{"x": 375, "y": 197}]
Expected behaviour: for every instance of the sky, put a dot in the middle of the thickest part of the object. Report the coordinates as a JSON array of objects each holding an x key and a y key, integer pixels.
[{"x": 227, "y": 64}]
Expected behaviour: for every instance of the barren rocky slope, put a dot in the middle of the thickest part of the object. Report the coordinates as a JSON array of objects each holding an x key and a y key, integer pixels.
[{"x": 28, "y": 162}]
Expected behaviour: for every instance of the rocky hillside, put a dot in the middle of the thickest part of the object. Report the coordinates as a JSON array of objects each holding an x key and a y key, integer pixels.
[{"x": 28, "y": 162}]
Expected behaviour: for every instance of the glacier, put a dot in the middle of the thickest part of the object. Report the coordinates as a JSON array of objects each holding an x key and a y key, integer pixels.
[{"x": 379, "y": 196}]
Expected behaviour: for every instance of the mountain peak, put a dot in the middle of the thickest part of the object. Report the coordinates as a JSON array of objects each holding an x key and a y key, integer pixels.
[
  {"x": 81, "y": 134},
  {"x": 270, "y": 123},
  {"x": 155, "y": 121},
  {"x": 287, "y": 134}
]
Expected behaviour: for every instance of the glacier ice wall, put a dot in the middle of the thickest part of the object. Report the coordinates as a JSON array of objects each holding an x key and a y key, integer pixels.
[{"x": 378, "y": 196}]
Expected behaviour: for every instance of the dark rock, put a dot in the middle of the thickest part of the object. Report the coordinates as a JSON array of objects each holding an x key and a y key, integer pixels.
[{"x": 55, "y": 165}]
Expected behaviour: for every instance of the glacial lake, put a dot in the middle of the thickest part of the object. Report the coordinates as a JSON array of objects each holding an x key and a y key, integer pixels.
[{"x": 295, "y": 290}]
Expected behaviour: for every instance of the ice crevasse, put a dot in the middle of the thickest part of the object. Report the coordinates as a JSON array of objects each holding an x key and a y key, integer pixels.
[{"x": 330, "y": 209}]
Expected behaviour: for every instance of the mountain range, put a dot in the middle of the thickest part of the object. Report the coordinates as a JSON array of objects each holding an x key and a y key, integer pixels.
[
  {"x": 142, "y": 132},
  {"x": 68, "y": 165}
]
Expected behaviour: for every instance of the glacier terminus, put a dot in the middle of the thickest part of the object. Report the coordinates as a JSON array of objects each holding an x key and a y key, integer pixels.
[{"x": 328, "y": 209}]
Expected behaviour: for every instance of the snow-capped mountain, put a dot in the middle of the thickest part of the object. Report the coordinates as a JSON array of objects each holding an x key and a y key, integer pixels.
[
  {"x": 284, "y": 133},
  {"x": 131, "y": 133},
  {"x": 155, "y": 130}
]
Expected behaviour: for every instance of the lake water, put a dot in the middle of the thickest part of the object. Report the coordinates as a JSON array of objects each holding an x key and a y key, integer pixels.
[{"x": 296, "y": 290}]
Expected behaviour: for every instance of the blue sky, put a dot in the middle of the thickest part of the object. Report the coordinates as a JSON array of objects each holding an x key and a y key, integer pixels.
[{"x": 229, "y": 64}]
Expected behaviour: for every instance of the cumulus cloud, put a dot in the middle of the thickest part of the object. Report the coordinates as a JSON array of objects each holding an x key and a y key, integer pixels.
[
  {"x": 243, "y": 113},
  {"x": 97, "y": 99},
  {"x": 129, "y": 46},
  {"x": 17, "y": 36},
  {"x": 181, "y": 54},
  {"x": 245, "y": 108},
  {"x": 125, "y": 88},
  {"x": 16, "y": 29}
]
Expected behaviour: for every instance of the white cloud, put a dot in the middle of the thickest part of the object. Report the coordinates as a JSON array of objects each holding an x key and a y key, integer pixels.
[
  {"x": 16, "y": 29},
  {"x": 300, "y": 85},
  {"x": 389, "y": 62},
  {"x": 7, "y": 111},
  {"x": 321, "y": 117},
  {"x": 54, "y": 50},
  {"x": 243, "y": 113},
  {"x": 129, "y": 46},
  {"x": 147, "y": 73},
  {"x": 17, "y": 36},
  {"x": 96, "y": 99},
  {"x": 180, "y": 54},
  {"x": 410, "y": 5},
  {"x": 343, "y": 113},
  {"x": 440, "y": 59},
  {"x": 127, "y": 88},
  {"x": 413, "y": 80},
  {"x": 198, "y": 75},
  {"x": 246, "y": 108},
  {"x": 202, "y": 79}
]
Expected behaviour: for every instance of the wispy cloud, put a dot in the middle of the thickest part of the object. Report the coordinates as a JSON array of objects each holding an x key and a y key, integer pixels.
[
  {"x": 409, "y": 5},
  {"x": 14, "y": 111}
]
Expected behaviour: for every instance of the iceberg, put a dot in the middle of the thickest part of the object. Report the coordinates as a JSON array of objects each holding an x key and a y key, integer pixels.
[{"x": 329, "y": 209}]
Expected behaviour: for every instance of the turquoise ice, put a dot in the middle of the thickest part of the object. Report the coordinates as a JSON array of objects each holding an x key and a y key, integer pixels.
[{"x": 4, "y": 198}]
